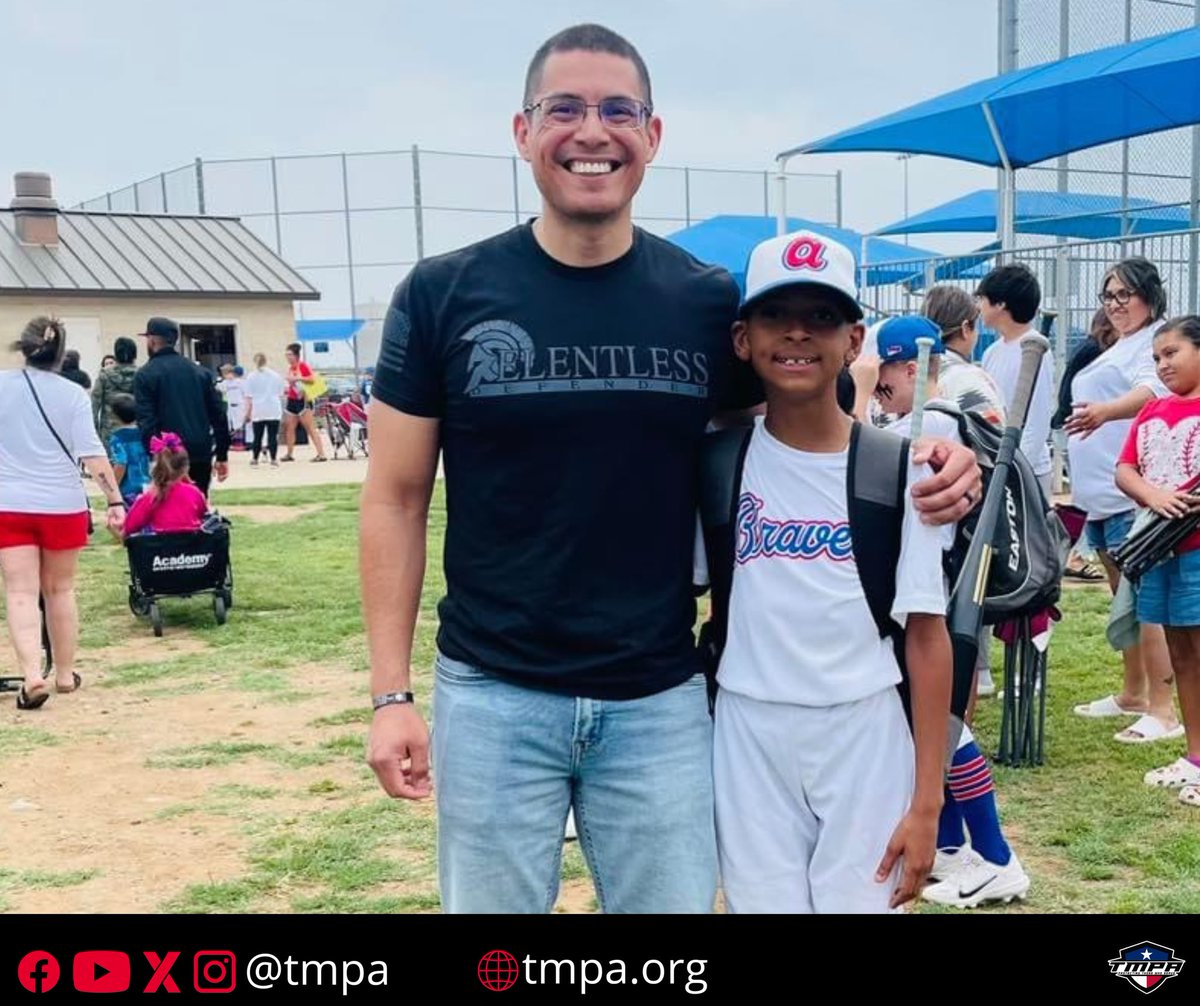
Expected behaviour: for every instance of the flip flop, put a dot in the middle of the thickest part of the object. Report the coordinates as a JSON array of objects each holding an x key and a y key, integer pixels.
[
  {"x": 1190, "y": 795},
  {"x": 1103, "y": 708},
  {"x": 1089, "y": 572},
  {"x": 1178, "y": 773},
  {"x": 34, "y": 699},
  {"x": 77, "y": 683},
  {"x": 1146, "y": 730}
]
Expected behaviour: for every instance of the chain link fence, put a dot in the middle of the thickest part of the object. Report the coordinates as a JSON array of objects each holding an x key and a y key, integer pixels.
[
  {"x": 353, "y": 224},
  {"x": 1158, "y": 167}
]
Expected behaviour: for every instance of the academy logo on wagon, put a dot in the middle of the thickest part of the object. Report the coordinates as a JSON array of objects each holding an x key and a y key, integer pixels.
[
  {"x": 1146, "y": 965},
  {"x": 172, "y": 563}
]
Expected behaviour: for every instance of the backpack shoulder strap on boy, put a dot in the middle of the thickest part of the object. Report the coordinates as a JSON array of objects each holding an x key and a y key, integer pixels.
[
  {"x": 721, "y": 463},
  {"x": 875, "y": 494}
]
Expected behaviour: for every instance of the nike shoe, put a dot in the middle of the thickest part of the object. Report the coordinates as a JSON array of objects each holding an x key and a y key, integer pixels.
[
  {"x": 980, "y": 882},
  {"x": 947, "y": 862}
]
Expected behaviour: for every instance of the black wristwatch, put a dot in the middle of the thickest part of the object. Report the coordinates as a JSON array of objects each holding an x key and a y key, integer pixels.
[
  {"x": 113, "y": 503},
  {"x": 392, "y": 699}
]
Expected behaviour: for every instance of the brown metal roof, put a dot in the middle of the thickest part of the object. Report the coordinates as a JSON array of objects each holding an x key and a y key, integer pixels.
[{"x": 141, "y": 254}]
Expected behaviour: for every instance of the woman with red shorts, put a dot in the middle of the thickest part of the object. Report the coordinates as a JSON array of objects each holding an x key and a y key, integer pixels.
[{"x": 46, "y": 430}]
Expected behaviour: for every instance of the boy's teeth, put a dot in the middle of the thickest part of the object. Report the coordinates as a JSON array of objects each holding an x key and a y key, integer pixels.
[{"x": 590, "y": 167}]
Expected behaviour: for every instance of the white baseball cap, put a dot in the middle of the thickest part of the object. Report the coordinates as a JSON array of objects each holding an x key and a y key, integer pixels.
[{"x": 804, "y": 257}]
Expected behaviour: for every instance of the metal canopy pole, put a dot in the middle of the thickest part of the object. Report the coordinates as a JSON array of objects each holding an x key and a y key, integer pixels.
[
  {"x": 781, "y": 202},
  {"x": 1005, "y": 228},
  {"x": 1193, "y": 240}
]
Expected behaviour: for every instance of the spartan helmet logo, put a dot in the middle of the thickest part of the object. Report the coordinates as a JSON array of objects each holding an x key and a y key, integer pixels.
[{"x": 493, "y": 340}]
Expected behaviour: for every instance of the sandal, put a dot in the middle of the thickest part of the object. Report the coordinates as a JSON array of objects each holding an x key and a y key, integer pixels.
[
  {"x": 1103, "y": 708},
  {"x": 35, "y": 698},
  {"x": 1148, "y": 729},
  {"x": 1089, "y": 572},
  {"x": 1178, "y": 773},
  {"x": 77, "y": 683},
  {"x": 1190, "y": 795}
]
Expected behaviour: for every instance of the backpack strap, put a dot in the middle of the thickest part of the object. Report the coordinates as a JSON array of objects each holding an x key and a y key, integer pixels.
[
  {"x": 877, "y": 479},
  {"x": 722, "y": 459}
]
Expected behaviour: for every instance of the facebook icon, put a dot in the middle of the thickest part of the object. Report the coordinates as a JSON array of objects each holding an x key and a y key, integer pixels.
[{"x": 38, "y": 971}]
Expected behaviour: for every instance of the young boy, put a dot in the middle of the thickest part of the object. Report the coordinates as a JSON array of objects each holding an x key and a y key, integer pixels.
[
  {"x": 826, "y": 800},
  {"x": 988, "y": 870},
  {"x": 1008, "y": 300},
  {"x": 131, "y": 464}
]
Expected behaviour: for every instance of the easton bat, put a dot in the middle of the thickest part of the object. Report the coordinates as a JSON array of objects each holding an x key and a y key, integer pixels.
[{"x": 965, "y": 615}]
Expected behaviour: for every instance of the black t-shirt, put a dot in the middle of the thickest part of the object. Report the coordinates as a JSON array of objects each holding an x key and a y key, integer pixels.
[{"x": 572, "y": 404}]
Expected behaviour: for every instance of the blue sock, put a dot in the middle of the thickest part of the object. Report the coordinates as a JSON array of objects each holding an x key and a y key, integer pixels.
[
  {"x": 950, "y": 824},
  {"x": 974, "y": 790}
]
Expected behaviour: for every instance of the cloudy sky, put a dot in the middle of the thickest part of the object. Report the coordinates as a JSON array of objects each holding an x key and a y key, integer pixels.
[{"x": 101, "y": 94}]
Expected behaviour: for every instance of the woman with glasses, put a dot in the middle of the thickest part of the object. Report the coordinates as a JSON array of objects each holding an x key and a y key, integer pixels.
[{"x": 1105, "y": 396}]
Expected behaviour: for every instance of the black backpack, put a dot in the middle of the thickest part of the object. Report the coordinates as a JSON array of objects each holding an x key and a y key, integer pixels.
[
  {"x": 1031, "y": 542},
  {"x": 875, "y": 491}
]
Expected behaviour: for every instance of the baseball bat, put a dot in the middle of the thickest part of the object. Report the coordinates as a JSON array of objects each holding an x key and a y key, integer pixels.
[
  {"x": 965, "y": 615},
  {"x": 921, "y": 391}
]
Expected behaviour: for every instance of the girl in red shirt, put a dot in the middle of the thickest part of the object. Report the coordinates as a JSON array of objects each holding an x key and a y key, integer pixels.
[
  {"x": 172, "y": 502},
  {"x": 1160, "y": 469}
]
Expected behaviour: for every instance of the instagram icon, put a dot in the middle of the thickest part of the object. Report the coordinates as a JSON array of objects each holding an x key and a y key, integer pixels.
[{"x": 214, "y": 971}]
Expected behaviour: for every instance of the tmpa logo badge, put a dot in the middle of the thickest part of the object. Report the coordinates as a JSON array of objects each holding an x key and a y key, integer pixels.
[{"x": 1146, "y": 965}]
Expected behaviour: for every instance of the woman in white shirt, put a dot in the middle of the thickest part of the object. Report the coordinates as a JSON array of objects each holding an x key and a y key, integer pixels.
[
  {"x": 1105, "y": 396},
  {"x": 46, "y": 430},
  {"x": 263, "y": 400}
]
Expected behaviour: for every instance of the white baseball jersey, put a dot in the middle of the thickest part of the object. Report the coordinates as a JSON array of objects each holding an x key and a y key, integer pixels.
[
  {"x": 800, "y": 630},
  {"x": 1002, "y": 360}
]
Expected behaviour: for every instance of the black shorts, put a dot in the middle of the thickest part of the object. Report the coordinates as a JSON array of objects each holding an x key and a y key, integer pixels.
[{"x": 297, "y": 405}]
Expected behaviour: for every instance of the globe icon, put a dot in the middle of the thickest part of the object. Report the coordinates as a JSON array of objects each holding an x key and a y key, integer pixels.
[{"x": 498, "y": 970}]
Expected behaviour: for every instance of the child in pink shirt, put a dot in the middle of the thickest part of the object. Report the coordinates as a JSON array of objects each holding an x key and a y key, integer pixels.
[{"x": 172, "y": 502}]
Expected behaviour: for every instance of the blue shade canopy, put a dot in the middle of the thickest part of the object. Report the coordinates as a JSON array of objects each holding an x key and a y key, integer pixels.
[
  {"x": 1059, "y": 214},
  {"x": 1048, "y": 110},
  {"x": 328, "y": 329},
  {"x": 728, "y": 240}
]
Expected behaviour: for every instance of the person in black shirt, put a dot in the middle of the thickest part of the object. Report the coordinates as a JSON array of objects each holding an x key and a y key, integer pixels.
[
  {"x": 73, "y": 372},
  {"x": 566, "y": 370},
  {"x": 173, "y": 394}
]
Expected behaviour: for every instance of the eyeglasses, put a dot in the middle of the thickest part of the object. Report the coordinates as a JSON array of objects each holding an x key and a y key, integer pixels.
[
  {"x": 1119, "y": 297},
  {"x": 565, "y": 110}
]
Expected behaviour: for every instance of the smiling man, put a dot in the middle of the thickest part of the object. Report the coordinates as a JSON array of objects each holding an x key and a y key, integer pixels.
[{"x": 566, "y": 369}]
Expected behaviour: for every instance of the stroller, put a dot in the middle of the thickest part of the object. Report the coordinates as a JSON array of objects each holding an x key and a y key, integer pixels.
[
  {"x": 346, "y": 424},
  {"x": 180, "y": 564}
]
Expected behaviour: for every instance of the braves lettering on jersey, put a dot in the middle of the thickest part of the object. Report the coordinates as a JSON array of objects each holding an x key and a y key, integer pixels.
[{"x": 800, "y": 630}]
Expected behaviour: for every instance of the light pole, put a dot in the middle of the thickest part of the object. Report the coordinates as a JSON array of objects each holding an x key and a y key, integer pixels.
[{"x": 905, "y": 158}]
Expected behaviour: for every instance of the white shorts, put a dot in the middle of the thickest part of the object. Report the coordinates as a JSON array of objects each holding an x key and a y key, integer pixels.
[{"x": 807, "y": 799}]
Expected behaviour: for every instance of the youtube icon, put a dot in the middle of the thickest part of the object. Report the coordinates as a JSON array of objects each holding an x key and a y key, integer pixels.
[{"x": 101, "y": 971}]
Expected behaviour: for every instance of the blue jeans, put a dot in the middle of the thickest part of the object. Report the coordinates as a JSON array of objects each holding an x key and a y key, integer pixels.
[
  {"x": 1169, "y": 594},
  {"x": 1106, "y": 534},
  {"x": 509, "y": 761}
]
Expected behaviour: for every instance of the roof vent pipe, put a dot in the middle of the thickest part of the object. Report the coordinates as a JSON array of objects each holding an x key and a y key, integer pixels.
[{"x": 34, "y": 208}]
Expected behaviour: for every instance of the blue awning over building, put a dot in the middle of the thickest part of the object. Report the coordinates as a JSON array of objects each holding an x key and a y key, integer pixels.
[
  {"x": 328, "y": 329},
  {"x": 1047, "y": 110},
  {"x": 728, "y": 240},
  {"x": 1057, "y": 214}
]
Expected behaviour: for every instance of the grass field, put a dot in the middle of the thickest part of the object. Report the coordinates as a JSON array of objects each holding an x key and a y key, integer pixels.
[{"x": 284, "y": 792}]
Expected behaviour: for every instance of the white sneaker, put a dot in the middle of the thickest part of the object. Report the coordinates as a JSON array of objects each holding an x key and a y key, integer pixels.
[
  {"x": 986, "y": 686},
  {"x": 947, "y": 862},
  {"x": 570, "y": 834},
  {"x": 978, "y": 882}
]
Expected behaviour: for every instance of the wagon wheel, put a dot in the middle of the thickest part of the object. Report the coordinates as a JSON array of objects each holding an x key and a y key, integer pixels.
[{"x": 219, "y": 608}]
